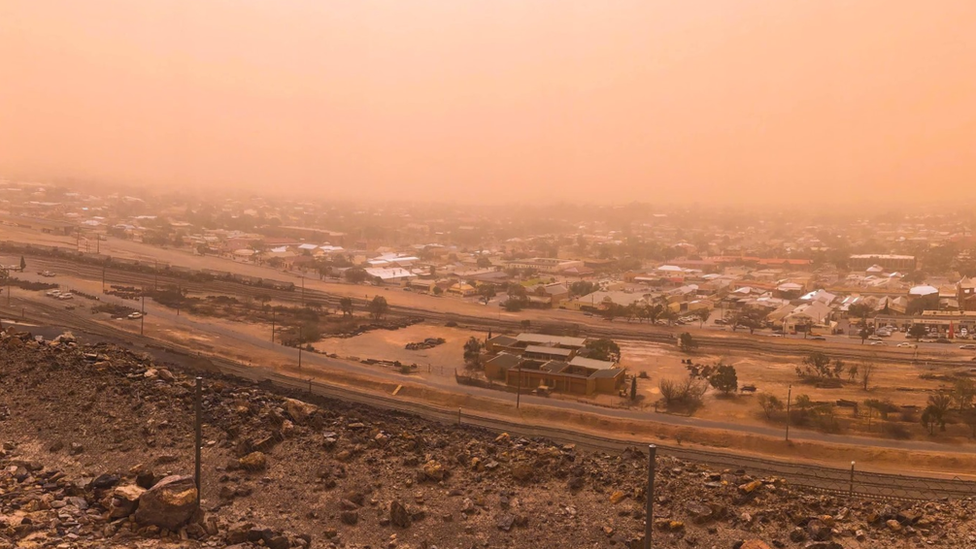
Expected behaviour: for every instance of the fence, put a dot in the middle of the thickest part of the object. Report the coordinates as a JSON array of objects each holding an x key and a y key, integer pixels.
[{"x": 111, "y": 411}]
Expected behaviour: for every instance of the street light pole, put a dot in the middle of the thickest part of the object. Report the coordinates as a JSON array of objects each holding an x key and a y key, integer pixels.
[
  {"x": 518, "y": 392},
  {"x": 789, "y": 397}
]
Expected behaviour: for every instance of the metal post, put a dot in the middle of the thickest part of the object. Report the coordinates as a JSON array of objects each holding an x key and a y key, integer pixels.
[
  {"x": 303, "y": 290},
  {"x": 179, "y": 291},
  {"x": 459, "y": 416},
  {"x": 649, "y": 513},
  {"x": 789, "y": 397},
  {"x": 272, "y": 326},
  {"x": 518, "y": 393},
  {"x": 199, "y": 434},
  {"x": 104, "y": 268},
  {"x": 852, "y": 479},
  {"x": 155, "y": 275},
  {"x": 142, "y": 324},
  {"x": 300, "y": 344},
  {"x": 309, "y": 385}
]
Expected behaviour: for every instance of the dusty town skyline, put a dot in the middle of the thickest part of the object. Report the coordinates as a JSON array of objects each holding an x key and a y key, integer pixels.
[{"x": 729, "y": 102}]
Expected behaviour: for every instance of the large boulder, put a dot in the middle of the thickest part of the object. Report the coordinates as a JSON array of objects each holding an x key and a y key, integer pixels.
[
  {"x": 169, "y": 504},
  {"x": 298, "y": 410},
  {"x": 125, "y": 500}
]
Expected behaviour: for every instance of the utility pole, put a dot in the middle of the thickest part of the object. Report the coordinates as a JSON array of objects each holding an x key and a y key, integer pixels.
[
  {"x": 789, "y": 397},
  {"x": 272, "y": 326},
  {"x": 198, "y": 401},
  {"x": 518, "y": 392},
  {"x": 300, "y": 344},
  {"x": 142, "y": 319},
  {"x": 303, "y": 290},
  {"x": 179, "y": 300},
  {"x": 649, "y": 496},
  {"x": 104, "y": 268},
  {"x": 155, "y": 275}
]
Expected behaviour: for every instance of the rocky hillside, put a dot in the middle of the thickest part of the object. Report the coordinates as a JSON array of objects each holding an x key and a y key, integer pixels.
[{"x": 97, "y": 451}]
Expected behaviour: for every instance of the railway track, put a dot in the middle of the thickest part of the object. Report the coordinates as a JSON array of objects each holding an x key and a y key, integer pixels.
[
  {"x": 823, "y": 478},
  {"x": 617, "y": 331}
]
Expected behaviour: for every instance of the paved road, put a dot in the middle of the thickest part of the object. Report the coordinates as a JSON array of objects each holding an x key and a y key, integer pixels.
[
  {"x": 831, "y": 479},
  {"x": 320, "y": 364},
  {"x": 932, "y": 354}
]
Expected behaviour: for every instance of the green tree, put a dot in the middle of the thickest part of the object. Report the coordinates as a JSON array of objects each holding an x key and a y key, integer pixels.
[
  {"x": 582, "y": 287},
  {"x": 702, "y": 315},
  {"x": 770, "y": 404},
  {"x": 687, "y": 343},
  {"x": 818, "y": 364},
  {"x": 866, "y": 371},
  {"x": 963, "y": 392},
  {"x": 936, "y": 413},
  {"x": 483, "y": 262},
  {"x": 356, "y": 275},
  {"x": 724, "y": 379},
  {"x": 633, "y": 388},
  {"x": 918, "y": 331},
  {"x": 472, "y": 352},
  {"x": 487, "y": 291},
  {"x": 23, "y": 264},
  {"x": 378, "y": 307},
  {"x": 345, "y": 305},
  {"x": 604, "y": 349}
]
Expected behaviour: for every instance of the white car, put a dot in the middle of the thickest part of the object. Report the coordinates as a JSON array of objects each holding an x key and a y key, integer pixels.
[
  {"x": 53, "y": 293},
  {"x": 65, "y": 296},
  {"x": 907, "y": 345},
  {"x": 135, "y": 316},
  {"x": 968, "y": 346},
  {"x": 878, "y": 343}
]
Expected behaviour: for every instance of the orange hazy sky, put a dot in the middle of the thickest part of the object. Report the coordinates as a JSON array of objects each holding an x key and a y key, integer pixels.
[{"x": 619, "y": 100}]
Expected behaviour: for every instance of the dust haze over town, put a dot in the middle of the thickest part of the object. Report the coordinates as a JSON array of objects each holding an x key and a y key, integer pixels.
[
  {"x": 468, "y": 274},
  {"x": 720, "y": 103}
]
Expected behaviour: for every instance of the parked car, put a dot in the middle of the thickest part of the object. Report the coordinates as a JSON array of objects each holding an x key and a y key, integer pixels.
[
  {"x": 135, "y": 316},
  {"x": 878, "y": 342},
  {"x": 52, "y": 293},
  {"x": 818, "y": 338},
  {"x": 968, "y": 346},
  {"x": 908, "y": 345},
  {"x": 66, "y": 296}
]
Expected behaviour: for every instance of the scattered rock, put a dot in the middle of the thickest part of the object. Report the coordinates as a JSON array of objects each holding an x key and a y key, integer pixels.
[
  {"x": 255, "y": 461},
  {"x": 399, "y": 515},
  {"x": 169, "y": 504}
]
